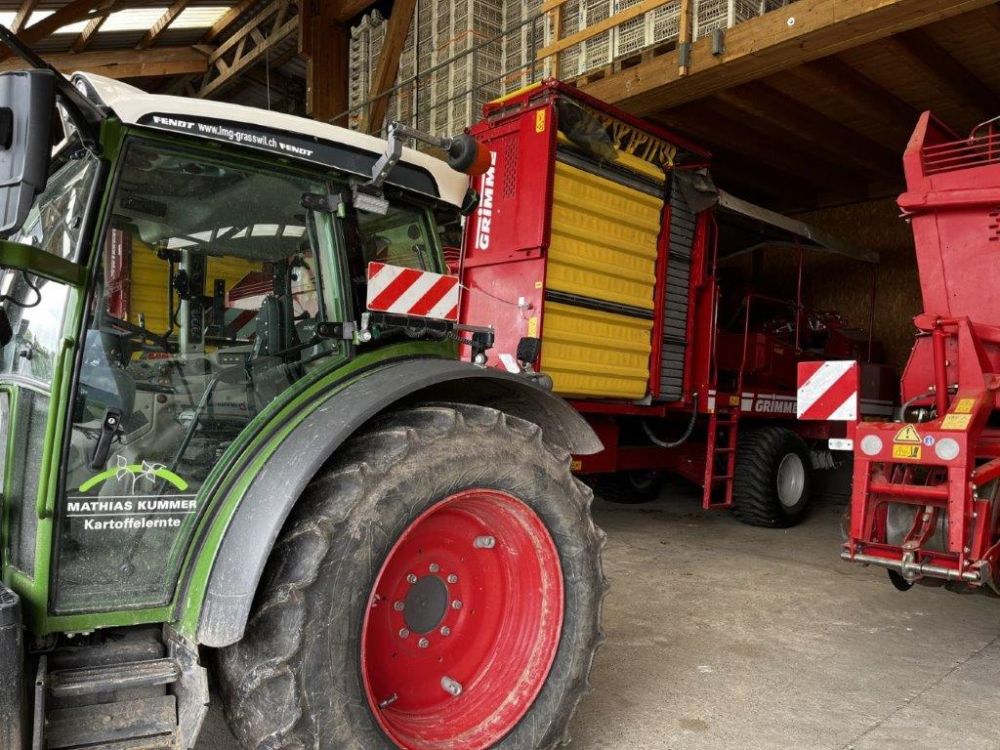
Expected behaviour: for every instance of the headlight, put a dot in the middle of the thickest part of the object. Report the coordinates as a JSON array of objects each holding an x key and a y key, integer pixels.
[
  {"x": 871, "y": 445},
  {"x": 946, "y": 449}
]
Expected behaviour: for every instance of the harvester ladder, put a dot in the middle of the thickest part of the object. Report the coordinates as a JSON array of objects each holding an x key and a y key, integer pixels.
[{"x": 720, "y": 462}]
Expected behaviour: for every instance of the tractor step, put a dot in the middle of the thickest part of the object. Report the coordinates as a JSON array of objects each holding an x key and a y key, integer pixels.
[
  {"x": 90, "y": 680},
  {"x": 144, "y": 724}
]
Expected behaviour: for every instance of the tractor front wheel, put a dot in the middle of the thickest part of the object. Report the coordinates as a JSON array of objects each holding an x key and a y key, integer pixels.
[
  {"x": 439, "y": 587},
  {"x": 772, "y": 478}
]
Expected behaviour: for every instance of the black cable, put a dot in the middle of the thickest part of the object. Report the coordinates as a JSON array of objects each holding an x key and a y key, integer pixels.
[{"x": 32, "y": 287}]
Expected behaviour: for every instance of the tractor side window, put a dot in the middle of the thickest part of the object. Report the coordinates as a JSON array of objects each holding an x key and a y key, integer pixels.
[
  {"x": 400, "y": 238},
  {"x": 213, "y": 281},
  {"x": 35, "y": 308},
  {"x": 56, "y": 220}
]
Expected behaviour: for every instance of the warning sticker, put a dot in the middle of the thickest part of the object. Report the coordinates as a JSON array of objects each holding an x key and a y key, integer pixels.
[
  {"x": 907, "y": 451},
  {"x": 956, "y": 421},
  {"x": 964, "y": 406},
  {"x": 576, "y": 465},
  {"x": 908, "y": 434}
]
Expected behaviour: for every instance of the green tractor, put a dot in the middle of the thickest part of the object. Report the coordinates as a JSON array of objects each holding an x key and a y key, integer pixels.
[{"x": 217, "y": 455}]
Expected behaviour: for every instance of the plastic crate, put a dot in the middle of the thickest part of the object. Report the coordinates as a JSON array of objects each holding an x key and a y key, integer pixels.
[
  {"x": 632, "y": 35},
  {"x": 710, "y": 15},
  {"x": 665, "y": 23},
  {"x": 597, "y": 51}
]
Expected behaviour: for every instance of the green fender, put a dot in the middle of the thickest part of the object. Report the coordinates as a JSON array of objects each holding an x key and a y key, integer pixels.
[{"x": 217, "y": 595}]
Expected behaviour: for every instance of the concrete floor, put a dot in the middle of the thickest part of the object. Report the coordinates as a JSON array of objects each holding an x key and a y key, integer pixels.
[{"x": 725, "y": 637}]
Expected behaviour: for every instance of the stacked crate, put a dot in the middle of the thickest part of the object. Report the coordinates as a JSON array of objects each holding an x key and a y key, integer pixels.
[
  {"x": 524, "y": 37},
  {"x": 710, "y": 15}
]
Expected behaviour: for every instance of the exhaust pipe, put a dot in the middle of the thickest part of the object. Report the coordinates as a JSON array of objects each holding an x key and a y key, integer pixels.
[{"x": 12, "y": 689}]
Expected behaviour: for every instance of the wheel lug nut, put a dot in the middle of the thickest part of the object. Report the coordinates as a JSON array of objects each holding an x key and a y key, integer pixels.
[
  {"x": 411, "y": 578},
  {"x": 456, "y": 604},
  {"x": 399, "y": 606},
  {"x": 452, "y": 687},
  {"x": 423, "y": 643},
  {"x": 484, "y": 542},
  {"x": 453, "y": 578},
  {"x": 445, "y": 631},
  {"x": 404, "y": 633},
  {"x": 434, "y": 567}
]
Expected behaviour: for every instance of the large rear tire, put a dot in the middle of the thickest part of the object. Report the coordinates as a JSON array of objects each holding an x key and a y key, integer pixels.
[
  {"x": 772, "y": 479},
  {"x": 439, "y": 586}
]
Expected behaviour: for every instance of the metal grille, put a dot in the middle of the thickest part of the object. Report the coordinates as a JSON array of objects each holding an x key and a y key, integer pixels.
[{"x": 677, "y": 298}]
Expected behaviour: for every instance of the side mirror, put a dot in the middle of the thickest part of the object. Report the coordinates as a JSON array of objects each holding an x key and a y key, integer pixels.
[
  {"x": 6, "y": 332},
  {"x": 27, "y": 101},
  {"x": 466, "y": 154}
]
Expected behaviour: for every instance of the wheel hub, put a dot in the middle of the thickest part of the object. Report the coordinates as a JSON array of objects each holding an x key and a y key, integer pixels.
[
  {"x": 425, "y": 604},
  {"x": 791, "y": 480},
  {"x": 463, "y": 623}
]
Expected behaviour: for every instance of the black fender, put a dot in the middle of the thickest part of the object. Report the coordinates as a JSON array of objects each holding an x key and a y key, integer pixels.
[{"x": 243, "y": 552}]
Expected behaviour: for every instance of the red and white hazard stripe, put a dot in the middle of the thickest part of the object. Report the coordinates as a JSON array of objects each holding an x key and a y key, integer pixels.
[
  {"x": 828, "y": 391},
  {"x": 409, "y": 291}
]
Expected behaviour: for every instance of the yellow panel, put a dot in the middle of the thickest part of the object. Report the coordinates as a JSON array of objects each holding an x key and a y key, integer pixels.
[
  {"x": 150, "y": 288},
  {"x": 629, "y": 161},
  {"x": 595, "y": 354},
  {"x": 150, "y": 284},
  {"x": 604, "y": 238}
]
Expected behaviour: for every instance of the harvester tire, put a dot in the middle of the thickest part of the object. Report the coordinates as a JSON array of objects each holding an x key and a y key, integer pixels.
[
  {"x": 442, "y": 536},
  {"x": 630, "y": 487},
  {"x": 772, "y": 478}
]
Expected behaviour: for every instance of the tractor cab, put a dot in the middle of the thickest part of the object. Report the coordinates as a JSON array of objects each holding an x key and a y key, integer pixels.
[{"x": 161, "y": 291}]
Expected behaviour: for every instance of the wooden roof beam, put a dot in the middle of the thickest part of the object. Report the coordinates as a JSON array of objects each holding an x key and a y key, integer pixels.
[
  {"x": 78, "y": 10},
  {"x": 227, "y": 19},
  {"x": 776, "y": 109},
  {"x": 847, "y": 83},
  {"x": 710, "y": 125},
  {"x": 346, "y": 10},
  {"x": 23, "y": 15},
  {"x": 83, "y": 40},
  {"x": 126, "y": 63},
  {"x": 388, "y": 62},
  {"x": 768, "y": 44},
  {"x": 162, "y": 23},
  {"x": 924, "y": 52}
]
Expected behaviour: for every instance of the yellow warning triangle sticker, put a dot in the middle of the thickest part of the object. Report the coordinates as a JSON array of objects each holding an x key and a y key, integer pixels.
[{"x": 908, "y": 434}]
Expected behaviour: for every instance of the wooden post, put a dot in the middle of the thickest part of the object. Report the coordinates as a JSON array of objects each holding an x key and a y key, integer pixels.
[
  {"x": 684, "y": 40},
  {"x": 557, "y": 28},
  {"x": 396, "y": 30},
  {"x": 324, "y": 43}
]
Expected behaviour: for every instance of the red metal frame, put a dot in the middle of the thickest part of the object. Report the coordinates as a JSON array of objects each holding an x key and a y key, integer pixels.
[
  {"x": 510, "y": 276},
  {"x": 940, "y": 469}
]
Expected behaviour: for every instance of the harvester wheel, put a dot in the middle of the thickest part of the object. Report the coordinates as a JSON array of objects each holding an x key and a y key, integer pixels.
[
  {"x": 438, "y": 586},
  {"x": 772, "y": 478},
  {"x": 630, "y": 487}
]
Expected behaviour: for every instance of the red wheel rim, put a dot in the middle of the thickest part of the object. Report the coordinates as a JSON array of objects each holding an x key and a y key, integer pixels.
[{"x": 463, "y": 623}]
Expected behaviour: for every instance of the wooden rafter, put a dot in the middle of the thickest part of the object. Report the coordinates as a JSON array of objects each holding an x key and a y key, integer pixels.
[
  {"x": 162, "y": 23},
  {"x": 93, "y": 26},
  {"x": 713, "y": 126},
  {"x": 348, "y": 9},
  {"x": 768, "y": 44},
  {"x": 924, "y": 52},
  {"x": 766, "y": 104},
  {"x": 388, "y": 62},
  {"x": 78, "y": 10},
  {"x": 248, "y": 46},
  {"x": 127, "y": 63},
  {"x": 23, "y": 15},
  {"x": 834, "y": 75},
  {"x": 227, "y": 19}
]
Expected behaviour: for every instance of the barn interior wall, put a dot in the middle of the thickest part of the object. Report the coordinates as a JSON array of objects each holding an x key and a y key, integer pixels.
[{"x": 837, "y": 283}]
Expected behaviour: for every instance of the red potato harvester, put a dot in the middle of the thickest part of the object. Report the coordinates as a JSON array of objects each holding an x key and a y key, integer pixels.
[
  {"x": 609, "y": 262},
  {"x": 924, "y": 502}
]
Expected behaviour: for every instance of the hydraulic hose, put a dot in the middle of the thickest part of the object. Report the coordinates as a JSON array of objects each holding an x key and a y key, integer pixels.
[{"x": 682, "y": 439}]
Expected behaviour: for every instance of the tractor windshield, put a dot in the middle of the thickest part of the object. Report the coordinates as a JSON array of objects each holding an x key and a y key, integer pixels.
[{"x": 213, "y": 279}]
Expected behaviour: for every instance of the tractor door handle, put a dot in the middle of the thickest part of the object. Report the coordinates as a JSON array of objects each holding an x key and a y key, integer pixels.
[{"x": 109, "y": 428}]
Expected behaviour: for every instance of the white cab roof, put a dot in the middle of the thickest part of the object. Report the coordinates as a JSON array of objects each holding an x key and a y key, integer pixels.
[{"x": 135, "y": 106}]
